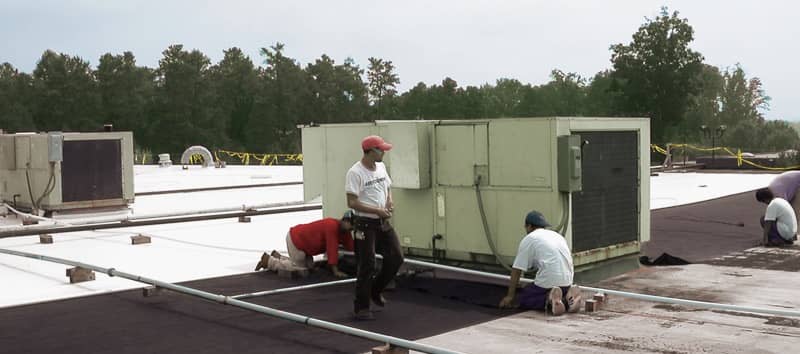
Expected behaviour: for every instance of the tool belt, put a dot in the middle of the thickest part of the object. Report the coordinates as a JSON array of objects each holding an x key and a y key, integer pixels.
[{"x": 363, "y": 223}]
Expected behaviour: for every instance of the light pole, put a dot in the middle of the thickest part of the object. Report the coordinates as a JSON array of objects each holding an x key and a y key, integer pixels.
[{"x": 713, "y": 134}]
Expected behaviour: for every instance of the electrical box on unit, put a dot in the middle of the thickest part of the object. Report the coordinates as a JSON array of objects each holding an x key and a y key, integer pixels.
[
  {"x": 55, "y": 151},
  {"x": 67, "y": 170},
  {"x": 452, "y": 177},
  {"x": 569, "y": 163}
]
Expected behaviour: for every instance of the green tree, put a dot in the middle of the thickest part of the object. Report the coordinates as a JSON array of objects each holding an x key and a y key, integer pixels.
[
  {"x": 15, "y": 89},
  {"x": 741, "y": 99},
  {"x": 126, "y": 93},
  {"x": 338, "y": 93},
  {"x": 283, "y": 102},
  {"x": 235, "y": 81},
  {"x": 658, "y": 72},
  {"x": 185, "y": 114},
  {"x": 382, "y": 83},
  {"x": 65, "y": 94}
]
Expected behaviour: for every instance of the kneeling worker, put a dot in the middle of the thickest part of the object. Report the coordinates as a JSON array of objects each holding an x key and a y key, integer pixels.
[
  {"x": 547, "y": 251},
  {"x": 307, "y": 240},
  {"x": 779, "y": 223}
]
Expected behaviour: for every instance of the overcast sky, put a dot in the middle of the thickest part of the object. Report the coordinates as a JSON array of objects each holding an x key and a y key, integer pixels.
[{"x": 473, "y": 42}]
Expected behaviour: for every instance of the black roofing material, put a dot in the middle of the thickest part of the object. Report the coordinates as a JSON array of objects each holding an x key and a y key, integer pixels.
[
  {"x": 126, "y": 322},
  {"x": 703, "y": 231}
]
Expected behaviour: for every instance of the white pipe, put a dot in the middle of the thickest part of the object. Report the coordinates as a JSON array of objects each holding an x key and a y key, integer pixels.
[
  {"x": 78, "y": 222},
  {"x": 227, "y": 300},
  {"x": 644, "y": 297},
  {"x": 30, "y": 216},
  {"x": 294, "y": 288}
]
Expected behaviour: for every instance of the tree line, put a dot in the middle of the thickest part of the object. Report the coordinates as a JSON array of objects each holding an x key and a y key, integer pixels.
[{"x": 237, "y": 105}]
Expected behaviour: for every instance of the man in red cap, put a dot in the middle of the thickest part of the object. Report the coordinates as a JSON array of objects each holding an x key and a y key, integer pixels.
[{"x": 368, "y": 193}]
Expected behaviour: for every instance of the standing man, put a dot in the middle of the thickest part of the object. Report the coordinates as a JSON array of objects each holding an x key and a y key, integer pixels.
[
  {"x": 367, "y": 185},
  {"x": 307, "y": 240},
  {"x": 779, "y": 222},
  {"x": 547, "y": 251}
]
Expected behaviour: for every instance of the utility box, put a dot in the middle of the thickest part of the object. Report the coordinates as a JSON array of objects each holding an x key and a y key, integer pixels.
[
  {"x": 588, "y": 176},
  {"x": 569, "y": 163},
  {"x": 66, "y": 170}
]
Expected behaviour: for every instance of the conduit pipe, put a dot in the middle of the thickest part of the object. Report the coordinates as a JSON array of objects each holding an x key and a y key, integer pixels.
[
  {"x": 32, "y": 230},
  {"x": 206, "y": 189},
  {"x": 86, "y": 221},
  {"x": 227, "y": 300},
  {"x": 644, "y": 297},
  {"x": 294, "y": 288}
]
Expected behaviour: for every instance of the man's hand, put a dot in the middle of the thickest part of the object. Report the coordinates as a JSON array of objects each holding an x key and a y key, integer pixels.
[
  {"x": 506, "y": 302},
  {"x": 384, "y": 213},
  {"x": 337, "y": 273},
  {"x": 390, "y": 205}
]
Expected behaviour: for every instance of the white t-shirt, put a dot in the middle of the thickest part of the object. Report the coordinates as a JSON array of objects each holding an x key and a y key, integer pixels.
[
  {"x": 548, "y": 252},
  {"x": 780, "y": 211},
  {"x": 371, "y": 187}
]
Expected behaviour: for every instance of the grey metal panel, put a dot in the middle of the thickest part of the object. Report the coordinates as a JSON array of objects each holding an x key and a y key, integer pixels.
[{"x": 606, "y": 211}]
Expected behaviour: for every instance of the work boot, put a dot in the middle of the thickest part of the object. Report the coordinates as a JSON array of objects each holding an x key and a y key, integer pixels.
[
  {"x": 262, "y": 264},
  {"x": 378, "y": 299},
  {"x": 573, "y": 299},
  {"x": 363, "y": 315},
  {"x": 554, "y": 302}
]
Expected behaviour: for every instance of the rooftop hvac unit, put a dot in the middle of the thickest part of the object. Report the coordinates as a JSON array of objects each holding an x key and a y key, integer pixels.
[
  {"x": 60, "y": 171},
  {"x": 462, "y": 188}
]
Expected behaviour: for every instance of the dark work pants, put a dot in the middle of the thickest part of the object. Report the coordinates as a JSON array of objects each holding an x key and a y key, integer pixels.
[{"x": 373, "y": 235}]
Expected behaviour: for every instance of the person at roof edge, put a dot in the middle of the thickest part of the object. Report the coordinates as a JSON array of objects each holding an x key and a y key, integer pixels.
[
  {"x": 547, "y": 251},
  {"x": 368, "y": 190}
]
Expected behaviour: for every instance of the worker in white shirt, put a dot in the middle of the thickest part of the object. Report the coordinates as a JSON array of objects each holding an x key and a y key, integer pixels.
[{"x": 547, "y": 251}]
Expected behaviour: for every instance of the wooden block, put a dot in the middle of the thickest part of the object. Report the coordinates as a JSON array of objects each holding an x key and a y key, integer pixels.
[
  {"x": 140, "y": 239},
  {"x": 29, "y": 221},
  {"x": 244, "y": 219},
  {"x": 591, "y": 306},
  {"x": 600, "y": 298},
  {"x": 45, "y": 238},
  {"x": 389, "y": 349},
  {"x": 78, "y": 275},
  {"x": 151, "y": 291},
  {"x": 293, "y": 274}
]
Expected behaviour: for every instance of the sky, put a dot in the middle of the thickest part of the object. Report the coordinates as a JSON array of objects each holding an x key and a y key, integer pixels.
[{"x": 472, "y": 41}]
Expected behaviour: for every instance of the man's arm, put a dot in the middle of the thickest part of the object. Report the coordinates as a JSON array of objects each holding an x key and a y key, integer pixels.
[
  {"x": 512, "y": 288},
  {"x": 389, "y": 200},
  {"x": 355, "y": 204},
  {"x": 768, "y": 225}
]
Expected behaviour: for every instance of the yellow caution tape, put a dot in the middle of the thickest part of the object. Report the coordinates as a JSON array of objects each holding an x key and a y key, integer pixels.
[
  {"x": 263, "y": 159},
  {"x": 738, "y": 154}
]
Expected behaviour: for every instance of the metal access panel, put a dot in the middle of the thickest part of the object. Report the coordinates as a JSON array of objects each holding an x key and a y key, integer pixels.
[
  {"x": 606, "y": 211},
  {"x": 91, "y": 170}
]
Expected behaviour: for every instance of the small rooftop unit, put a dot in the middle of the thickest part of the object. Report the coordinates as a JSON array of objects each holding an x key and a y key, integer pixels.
[
  {"x": 462, "y": 188},
  {"x": 61, "y": 171}
]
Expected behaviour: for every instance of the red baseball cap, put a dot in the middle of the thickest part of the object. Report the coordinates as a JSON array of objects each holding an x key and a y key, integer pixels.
[{"x": 375, "y": 142}]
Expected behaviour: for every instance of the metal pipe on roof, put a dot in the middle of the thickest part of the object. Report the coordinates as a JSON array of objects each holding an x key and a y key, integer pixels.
[
  {"x": 32, "y": 230},
  {"x": 227, "y": 300},
  {"x": 294, "y": 288},
  {"x": 128, "y": 218},
  {"x": 644, "y": 297},
  {"x": 206, "y": 189}
]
